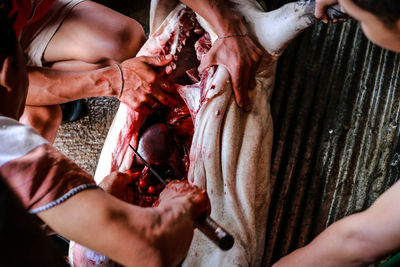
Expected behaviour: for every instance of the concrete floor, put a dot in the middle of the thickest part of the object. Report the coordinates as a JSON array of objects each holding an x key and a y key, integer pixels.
[{"x": 83, "y": 140}]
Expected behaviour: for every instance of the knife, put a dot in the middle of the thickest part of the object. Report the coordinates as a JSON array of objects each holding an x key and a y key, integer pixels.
[{"x": 210, "y": 228}]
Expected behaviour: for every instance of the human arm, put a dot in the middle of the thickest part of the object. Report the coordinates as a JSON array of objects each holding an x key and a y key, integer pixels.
[
  {"x": 66, "y": 198},
  {"x": 356, "y": 240},
  {"x": 108, "y": 225},
  {"x": 131, "y": 235},
  {"x": 142, "y": 86},
  {"x": 177, "y": 203},
  {"x": 240, "y": 55},
  {"x": 118, "y": 185}
]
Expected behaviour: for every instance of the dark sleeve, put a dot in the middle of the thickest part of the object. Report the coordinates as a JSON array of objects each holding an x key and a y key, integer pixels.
[{"x": 23, "y": 243}]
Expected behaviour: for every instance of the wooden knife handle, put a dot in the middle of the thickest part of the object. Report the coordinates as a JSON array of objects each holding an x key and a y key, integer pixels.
[{"x": 214, "y": 232}]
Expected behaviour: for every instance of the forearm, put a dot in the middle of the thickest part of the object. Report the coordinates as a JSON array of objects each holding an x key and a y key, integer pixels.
[
  {"x": 344, "y": 243},
  {"x": 357, "y": 240},
  {"x": 219, "y": 14},
  {"x": 48, "y": 86},
  {"x": 105, "y": 224}
]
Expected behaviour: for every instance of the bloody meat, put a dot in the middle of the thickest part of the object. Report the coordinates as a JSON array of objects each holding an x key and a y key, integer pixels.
[{"x": 165, "y": 136}]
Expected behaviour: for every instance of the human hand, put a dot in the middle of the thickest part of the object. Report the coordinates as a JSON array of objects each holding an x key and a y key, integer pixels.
[
  {"x": 179, "y": 203},
  {"x": 143, "y": 87},
  {"x": 241, "y": 57},
  {"x": 117, "y": 184},
  {"x": 320, "y": 9},
  {"x": 193, "y": 197}
]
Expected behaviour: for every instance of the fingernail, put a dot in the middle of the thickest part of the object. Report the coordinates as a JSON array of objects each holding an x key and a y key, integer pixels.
[{"x": 168, "y": 56}]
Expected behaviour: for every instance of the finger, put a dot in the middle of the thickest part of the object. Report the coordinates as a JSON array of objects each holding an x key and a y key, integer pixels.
[
  {"x": 320, "y": 12},
  {"x": 253, "y": 71},
  {"x": 257, "y": 48},
  {"x": 147, "y": 76},
  {"x": 132, "y": 176},
  {"x": 320, "y": 9},
  {"x": 244, "y": 88},
  {"x": 123, "y": 178},
  {"x": 203, "y": 65},
  {"x": 167, "y": 86},
  {"x": 161, "y": 96},
  {"x": 324, "y": 19},
  {"x": 206, "y": 62},
  {"x": 157, "y": 61},
  {"x": 166, "y": 99},
  {"x": 201, "y": 203},
  {"x": 259, "y": 52},
  {"x": 180, "y": 186},
  {"x": 236, "y": 83}
]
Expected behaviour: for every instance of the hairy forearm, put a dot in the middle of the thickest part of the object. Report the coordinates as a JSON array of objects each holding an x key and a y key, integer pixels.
[
  {"x": 105, "y": 224},
  {"x": 219, "y": 14},
  {"x": 48, "y": 86}
]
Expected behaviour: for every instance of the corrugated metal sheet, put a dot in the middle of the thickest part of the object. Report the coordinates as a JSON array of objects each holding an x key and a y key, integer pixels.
[{"x": 336, "y": 145}]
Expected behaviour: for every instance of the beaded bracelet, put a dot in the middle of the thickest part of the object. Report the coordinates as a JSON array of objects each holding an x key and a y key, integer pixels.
[
  {"x": 232, "y": 35},
  {"x": 122, "y": 79}
]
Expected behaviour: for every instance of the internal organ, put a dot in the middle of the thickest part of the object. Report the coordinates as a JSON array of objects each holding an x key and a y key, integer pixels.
[{"x": 206, "y": 137}]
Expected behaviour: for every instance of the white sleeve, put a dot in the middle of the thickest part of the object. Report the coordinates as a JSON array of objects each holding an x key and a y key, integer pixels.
[{"x": 17, "y": 139}]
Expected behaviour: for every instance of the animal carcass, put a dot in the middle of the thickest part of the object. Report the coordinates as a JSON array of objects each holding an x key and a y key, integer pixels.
[{"x": 206, "y": 138}]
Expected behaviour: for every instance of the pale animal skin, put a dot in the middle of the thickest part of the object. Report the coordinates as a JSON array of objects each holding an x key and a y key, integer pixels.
[{"x": 231, "y": 150}]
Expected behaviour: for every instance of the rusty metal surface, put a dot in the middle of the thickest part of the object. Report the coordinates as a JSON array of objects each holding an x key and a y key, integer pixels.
[{"x": 336, "y": 116}]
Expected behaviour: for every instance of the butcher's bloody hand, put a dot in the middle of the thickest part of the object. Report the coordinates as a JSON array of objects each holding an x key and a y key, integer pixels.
[
  {"x": 195, "y": 198},
  {"x": 118, "y": 185},
  {"x": 179, "y": 203},
  {"x": 320, "y": 9},
  {"x": 142, "y": 86},
  {"x": 241, "y": 57}
]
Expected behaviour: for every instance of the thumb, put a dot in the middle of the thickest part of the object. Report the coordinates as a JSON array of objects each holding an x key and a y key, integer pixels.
[
  {"x": 157, "y": 61},
  {"x": 200, "y": 204},
  {"x": 204, "y": 64},
  {"x": 319, "y": 11},
  {"x": 131, "y": 176}
]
